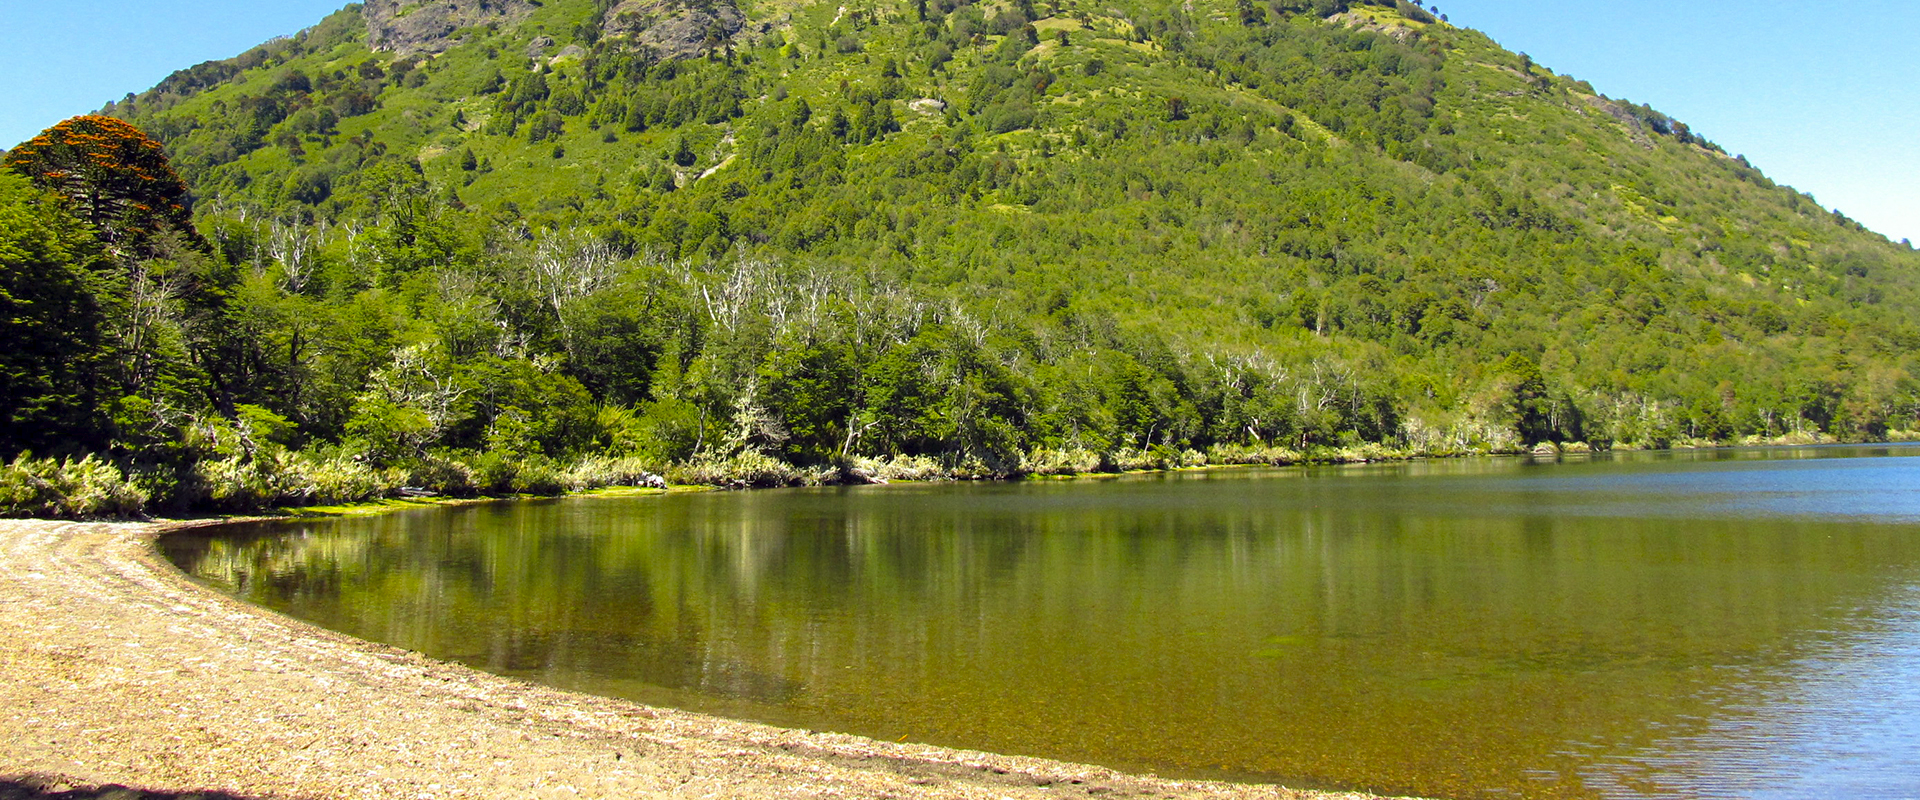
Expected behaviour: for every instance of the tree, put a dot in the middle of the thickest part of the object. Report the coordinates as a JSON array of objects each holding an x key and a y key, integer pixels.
[
  {"x": 117, "y": 178},
  {"x": 810, "y": 387},
  {"x": 50, "y": 321},
  {"x": 905, "y": 395},
  {"x": 416, "y": 231},
  {"x": 1528, "y": 405},
  {"x": 163, "y": 308},
  {"x": 1250, "y": 14}
]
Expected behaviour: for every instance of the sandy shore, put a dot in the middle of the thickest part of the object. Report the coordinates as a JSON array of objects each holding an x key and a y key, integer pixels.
[{"x": 116, "y": 671}]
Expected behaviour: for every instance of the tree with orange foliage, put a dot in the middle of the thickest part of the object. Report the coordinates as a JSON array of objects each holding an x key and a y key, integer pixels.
[{"x": 118, "y": 179}]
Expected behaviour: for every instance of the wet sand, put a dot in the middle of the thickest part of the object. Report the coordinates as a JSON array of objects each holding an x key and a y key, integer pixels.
[{"x": 117, "y": 671}]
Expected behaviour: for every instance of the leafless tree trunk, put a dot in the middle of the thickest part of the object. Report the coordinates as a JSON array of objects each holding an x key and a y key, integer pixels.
[
  {"x": 293, "y": 247},
  {"x": 413, "y": 380},
  {"x": 568, "y": 266},
  {"x": 152, "y": 317}
]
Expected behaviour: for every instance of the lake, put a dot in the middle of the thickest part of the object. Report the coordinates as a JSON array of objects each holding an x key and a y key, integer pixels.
[{"x": 1730, "y": 623}]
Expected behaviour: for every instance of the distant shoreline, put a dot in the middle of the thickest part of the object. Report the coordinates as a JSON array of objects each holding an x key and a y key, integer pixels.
[
  {"x": 123, "y": 672},
  {"x": 1326, "y": 457}
]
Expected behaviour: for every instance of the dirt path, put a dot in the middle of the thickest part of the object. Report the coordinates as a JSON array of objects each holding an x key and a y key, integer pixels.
[{"x": 115, "y": 670}]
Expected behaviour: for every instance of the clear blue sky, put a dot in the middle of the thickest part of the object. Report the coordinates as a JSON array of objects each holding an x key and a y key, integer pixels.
[
  {"x": 1822, "y": 96},
  {"x": 68, "y": 57}
]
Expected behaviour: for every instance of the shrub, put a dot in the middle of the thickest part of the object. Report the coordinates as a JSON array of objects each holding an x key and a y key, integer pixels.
[
  {"x": 1071, "y": 461},
  {"x": 232, "y": 484},
  {"x": 285, "y": 478},
  {"x": 492, "y": 472},
  {"x": 974, "y": 468},
  {"x": 495, "y": 472},
  {"x": 1156, "y": 457},
  {"x": 71, "y": 489},
  {"x": 441, "y": 474},
  {"x": 334, "y": 478},
  {"x": 538, "y": 476},
  {"x": 1253, "y": 454},
  {"x": 902, "y": 468},
  {"x": 1362, "y": 453},
  {"x": 744, "y": 470},
  {"x": 594, "y": 472}
]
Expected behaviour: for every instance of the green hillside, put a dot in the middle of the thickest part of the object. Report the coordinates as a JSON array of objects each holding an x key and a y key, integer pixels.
[{"x": 999, "y": 237}]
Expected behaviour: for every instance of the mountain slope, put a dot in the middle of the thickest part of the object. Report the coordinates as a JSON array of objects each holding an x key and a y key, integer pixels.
[{"x": 1056, "y": 226}]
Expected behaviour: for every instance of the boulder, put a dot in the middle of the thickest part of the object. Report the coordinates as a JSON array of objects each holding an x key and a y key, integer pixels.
[
  {"x": 427, "y": 26},
  {"x": 673, "y": 28}
]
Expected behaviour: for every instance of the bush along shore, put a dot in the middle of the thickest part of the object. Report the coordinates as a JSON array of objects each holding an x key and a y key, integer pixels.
[{"x": 243, "y": 475}]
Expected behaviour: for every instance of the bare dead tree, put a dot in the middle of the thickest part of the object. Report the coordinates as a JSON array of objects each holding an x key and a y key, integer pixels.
[
  {"x": 292, "y": 246},
  {"x": 754, "y": 428},
  {"x": 153, "y": 319},
  {"x": 416, "y": 379},
  {"x": 737, "y": 293},
  {"x": 568, "y": 266}
]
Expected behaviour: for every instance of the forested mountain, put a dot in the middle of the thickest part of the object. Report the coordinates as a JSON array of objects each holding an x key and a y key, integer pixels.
[{"x": 464, "y": 244}]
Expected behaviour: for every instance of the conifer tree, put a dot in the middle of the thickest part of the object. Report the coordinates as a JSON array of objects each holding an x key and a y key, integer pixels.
[
  {"x": 50, "y": 321},
  {"x": 118, "y": 179}
]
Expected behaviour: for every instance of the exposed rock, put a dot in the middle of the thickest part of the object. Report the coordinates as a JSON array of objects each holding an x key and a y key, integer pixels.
[
  {"x": 675, "y": 28},
  {"x": 1636, "y": 129},
  {"x": 539, "y": 46},
  {"x": 572, "y": 51},
  {"x": 1355, "y": 19},
  {"x": 427, "y": 26}
]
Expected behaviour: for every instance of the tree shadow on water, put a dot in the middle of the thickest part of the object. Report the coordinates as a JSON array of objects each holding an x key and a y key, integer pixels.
[{"x": 39, "y": 787}]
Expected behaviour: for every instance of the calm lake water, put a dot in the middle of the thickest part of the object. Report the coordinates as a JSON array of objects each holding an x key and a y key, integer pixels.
[{"x": 1712, "y": 624}]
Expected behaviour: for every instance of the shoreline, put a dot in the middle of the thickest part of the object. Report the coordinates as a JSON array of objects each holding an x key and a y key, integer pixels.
[
  {"x": 93, "y": 490},
  {"x": 391, "y": 504},
  {"x": 122, "y": 672}
]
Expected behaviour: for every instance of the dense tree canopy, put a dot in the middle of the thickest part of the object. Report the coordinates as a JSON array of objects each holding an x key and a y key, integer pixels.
[
  {"x": 117, "y": 178},
  {"x": 50, "y": 322}
]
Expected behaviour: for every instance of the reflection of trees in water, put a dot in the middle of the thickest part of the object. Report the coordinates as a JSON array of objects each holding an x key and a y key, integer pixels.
[
  {"x": 1307, "y": 626},
  {"x": 672, "y": 567}
]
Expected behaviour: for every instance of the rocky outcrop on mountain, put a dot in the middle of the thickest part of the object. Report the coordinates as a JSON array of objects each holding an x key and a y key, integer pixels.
[
  {"x": 675, "y": 28},
  {"x": 1400, "y": 31},
  {"x": 1635, "y": 128},
  {"x": 412, "y": 27}
]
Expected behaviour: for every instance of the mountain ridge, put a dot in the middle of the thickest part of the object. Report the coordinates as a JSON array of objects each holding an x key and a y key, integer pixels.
[{"x": 985, "y": 233}]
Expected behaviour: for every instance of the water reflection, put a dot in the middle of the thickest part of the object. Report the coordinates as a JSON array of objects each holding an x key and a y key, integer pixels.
[{"x": 1658, "y": 625}]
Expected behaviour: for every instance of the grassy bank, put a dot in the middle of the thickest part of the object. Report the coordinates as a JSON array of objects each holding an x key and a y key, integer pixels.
[{"x": 314, "y": 483}]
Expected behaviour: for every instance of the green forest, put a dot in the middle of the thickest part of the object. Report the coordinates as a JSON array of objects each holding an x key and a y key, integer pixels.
[{"x": 471, "y": 248}]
